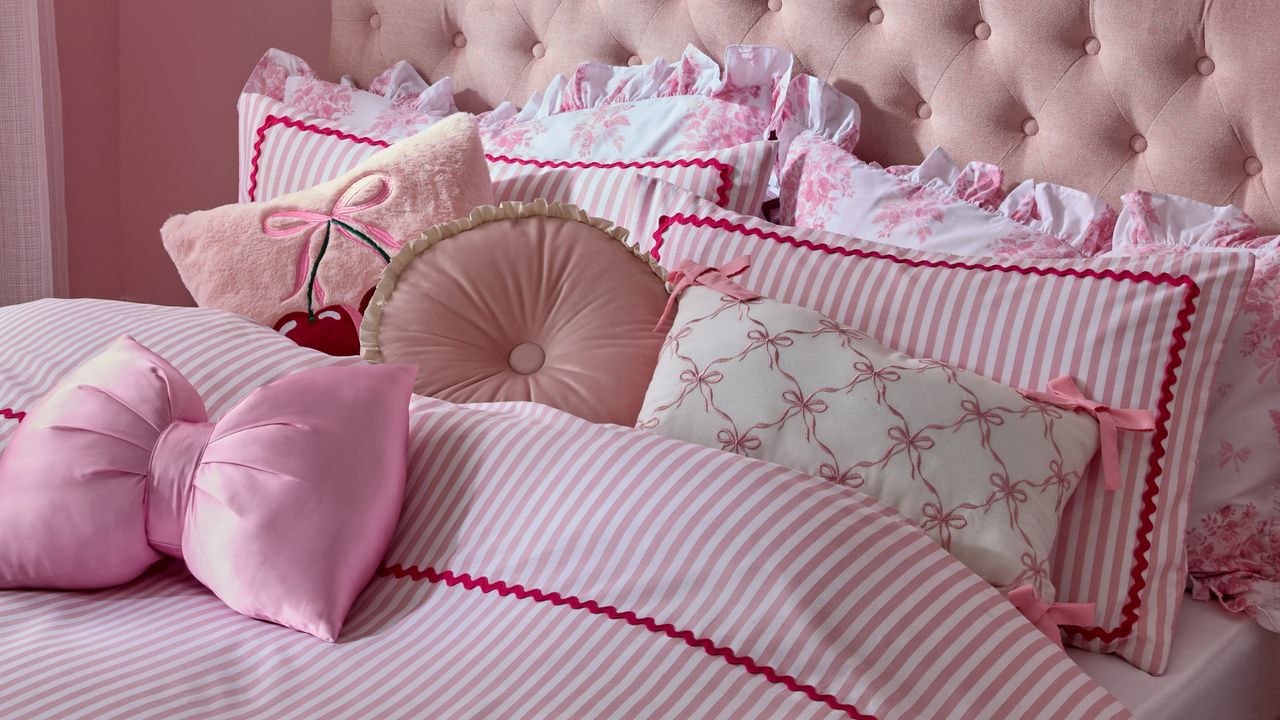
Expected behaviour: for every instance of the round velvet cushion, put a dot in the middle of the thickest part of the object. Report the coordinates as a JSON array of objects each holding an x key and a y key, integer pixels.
[{"x": 523, "y": 302}]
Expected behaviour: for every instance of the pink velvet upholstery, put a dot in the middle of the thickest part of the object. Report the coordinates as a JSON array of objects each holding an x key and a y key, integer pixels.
[
  {"x": 523, "y": 306},
  {"x": 1178, "y": 96}
]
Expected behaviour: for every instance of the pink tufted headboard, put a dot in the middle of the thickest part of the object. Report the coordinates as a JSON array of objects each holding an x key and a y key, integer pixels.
[{"x": 1179, "y": 96}]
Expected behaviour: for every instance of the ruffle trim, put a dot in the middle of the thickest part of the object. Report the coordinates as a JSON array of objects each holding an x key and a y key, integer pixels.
[
  {"x": 1076, "y": 218},
  {"x": 399, "y": 84},
  {"x": 754, "y": 76},
  {"x": 511, "y": 210},
  {"x": 1165, "y": 220},
  {"x": 1242, "y": 593}
]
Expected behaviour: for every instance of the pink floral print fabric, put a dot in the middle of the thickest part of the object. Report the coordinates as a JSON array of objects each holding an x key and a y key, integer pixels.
[
  {"x": 1233, "y": 530},
  {"x": 937, "y": 206},
  {"x": 978, "y": 466},
  {"x": 692, "y": 105}
]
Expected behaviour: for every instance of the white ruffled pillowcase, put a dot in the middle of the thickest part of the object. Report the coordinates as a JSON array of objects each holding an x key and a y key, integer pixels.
[
  {"x": 936, "y": 206},
  {"x": 1233, "y": 530}
]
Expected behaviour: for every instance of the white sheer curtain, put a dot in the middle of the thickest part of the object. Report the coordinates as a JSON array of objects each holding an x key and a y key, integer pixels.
[{"x": 33, "y": 243}]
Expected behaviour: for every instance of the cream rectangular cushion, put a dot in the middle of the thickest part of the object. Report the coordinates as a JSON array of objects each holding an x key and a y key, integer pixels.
[{"x": 982, "y": 469}]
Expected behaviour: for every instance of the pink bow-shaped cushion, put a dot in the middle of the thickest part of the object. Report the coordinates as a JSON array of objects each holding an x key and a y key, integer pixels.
[
  {"x": 689, "y": 273},
  {"x": 283, "y": 508},
  {"x": 1047, "y": 616},
  {"x": 1064, "y": 393}
]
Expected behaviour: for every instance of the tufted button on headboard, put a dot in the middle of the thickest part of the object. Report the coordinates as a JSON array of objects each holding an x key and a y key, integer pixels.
[{"x": 1179, "y": 96}]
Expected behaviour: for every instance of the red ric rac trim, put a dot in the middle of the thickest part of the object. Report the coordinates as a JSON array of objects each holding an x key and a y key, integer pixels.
[
  {"x": 1151, "y": 486},
  {"x": 273, "y": 120},
  {"x": 11, "y": 414},
  {"x": 722, "y": 192},
  {"x": 725, "y": 169},
  {"x": 504, "y": 589}
]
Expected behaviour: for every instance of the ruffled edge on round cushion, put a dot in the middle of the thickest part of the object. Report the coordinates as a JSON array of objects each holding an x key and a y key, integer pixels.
[
  {"x": 481, "y": 215},
  {"x": 756, "y": 76},
  {"x": 1080, "y": 220},
  {"x": 1150, "y": 218},
  {"x": 400, "y": 84}
]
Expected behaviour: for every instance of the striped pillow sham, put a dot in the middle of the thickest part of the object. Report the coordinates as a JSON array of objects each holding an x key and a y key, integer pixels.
[
  {"x": 1135, "y": 332},
  {"x": 283, "y": 150}
]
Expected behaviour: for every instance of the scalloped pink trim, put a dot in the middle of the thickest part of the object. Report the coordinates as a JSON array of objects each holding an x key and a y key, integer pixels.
[
  {"x": 484, "y": 584},
  {"x": 722, "y": 193},
  {"x": 725, "y": 169},
  {"x": 1151, "y": 486}
]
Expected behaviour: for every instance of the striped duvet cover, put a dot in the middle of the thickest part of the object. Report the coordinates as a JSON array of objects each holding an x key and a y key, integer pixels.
[{"x": 544, "y": 567}]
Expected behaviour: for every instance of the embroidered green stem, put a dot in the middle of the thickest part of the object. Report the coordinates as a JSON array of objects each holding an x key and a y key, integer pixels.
[
  {"x": 365, "y": 239},
  {"x": 315, "y": 267}
]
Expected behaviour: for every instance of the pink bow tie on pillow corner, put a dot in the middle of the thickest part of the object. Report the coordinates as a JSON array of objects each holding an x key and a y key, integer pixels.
[
  {"x": 689, "y": 273},
  {"x": 1047, "y": 616},
  {"x": 283, "y": 508},
  {"x": 1065, "y": 393}
]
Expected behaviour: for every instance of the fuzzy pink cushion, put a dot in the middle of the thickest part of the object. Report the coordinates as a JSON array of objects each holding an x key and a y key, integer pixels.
[{"x": 303, "y": 263}]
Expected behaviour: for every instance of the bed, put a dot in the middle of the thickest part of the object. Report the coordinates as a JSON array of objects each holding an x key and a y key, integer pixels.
[
  {"x": 1107, "y": 97},
  {"x": 1179, "y": 97}
]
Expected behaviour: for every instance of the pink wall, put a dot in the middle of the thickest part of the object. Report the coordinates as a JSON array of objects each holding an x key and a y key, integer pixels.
[{"x": 149, "y": 94}]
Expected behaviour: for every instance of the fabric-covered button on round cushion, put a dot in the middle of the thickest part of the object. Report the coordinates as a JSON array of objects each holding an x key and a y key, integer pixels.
[
  {"x": 539, "y": 50},
  {"x": 1138, "y": 144},
  {"x": 775, "y": 5},
  {"x": 1252, "y": 166},
  {"x": 1092, "y": 46},
  {"x": 634, "y": 60},
  {"x": 375, "y": 21},
  {"x": 1030, "y": 127},
  {"x": 923, "y": 111},
  {"x": 982, "y": 31},
  {"x": 459, "y": 40},
  {"x": 875, "y": 16},
  {"x": 525, "y": 301},
  {"x": 527, "y": 358},
  {"x": 1205, "y": 66}
]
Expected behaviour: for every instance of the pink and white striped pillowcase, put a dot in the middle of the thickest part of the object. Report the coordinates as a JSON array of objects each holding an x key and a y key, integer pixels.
[
  {"x": 283, "y": 151},
  {"x": 1134, "y": 332}
]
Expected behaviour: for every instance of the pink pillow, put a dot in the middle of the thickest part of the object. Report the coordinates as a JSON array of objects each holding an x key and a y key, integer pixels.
[
  {"x": 937, "y": 206},
  {"x": 282, "y": 88},
  {"x": 1135, "y": 333},
  {"x": 1233, "y": 533},
  {"x": 734, "y": 178},
  {"x": 523, "y": 302},
  {"x": 303, "y": 263},
  {"x": 984, "y": 470},
  {"x": 284, "y": 506}
]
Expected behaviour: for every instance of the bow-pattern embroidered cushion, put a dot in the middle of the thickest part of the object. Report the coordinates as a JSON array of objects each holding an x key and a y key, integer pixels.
[{"x": 980, "y": 467}]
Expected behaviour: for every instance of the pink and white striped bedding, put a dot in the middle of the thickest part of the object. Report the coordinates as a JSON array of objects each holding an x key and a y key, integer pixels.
[
  {"x": 543, "y": 567},
  {"x": 283, "y": 151}
]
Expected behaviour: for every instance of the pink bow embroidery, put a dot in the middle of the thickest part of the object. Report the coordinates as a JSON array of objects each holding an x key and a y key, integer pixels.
[
  {"x": 1046, "y": 616},
  {"x": 1064, "y": 393},
  {"x": 689, "y": 273},
  {"x": 363, "y": 194},
  {"x": 283, "y": 507}
]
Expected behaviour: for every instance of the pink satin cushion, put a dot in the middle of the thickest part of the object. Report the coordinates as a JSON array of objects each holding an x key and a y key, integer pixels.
[
  {"x": 545, "y": 309},
  {"x": 283, "y": 508}
]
